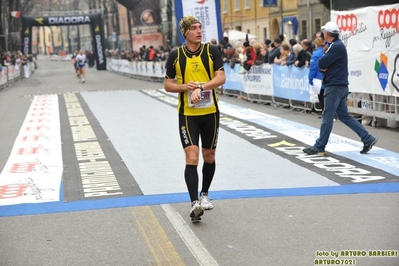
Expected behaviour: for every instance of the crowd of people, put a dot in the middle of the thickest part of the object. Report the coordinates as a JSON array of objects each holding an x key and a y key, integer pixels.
[
  {"x": 144, "y": 54},
  {"x": 16, "y": 59}
]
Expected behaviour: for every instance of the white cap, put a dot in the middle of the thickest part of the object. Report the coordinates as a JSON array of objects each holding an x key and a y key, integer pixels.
[{"x": 331, "y": 27}]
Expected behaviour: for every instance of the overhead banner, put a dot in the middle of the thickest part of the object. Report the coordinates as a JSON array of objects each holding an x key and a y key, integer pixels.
[
  {"x": 145, "y": 13},
  {"x": 95, "y": 21},
  {"x": 207, "y": 12},
  {"x": 371, "y": 36}
]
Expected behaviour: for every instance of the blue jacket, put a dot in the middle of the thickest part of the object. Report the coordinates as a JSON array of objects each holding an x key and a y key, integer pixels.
[
  {"x": 314, "y": 72},
  {"x": 334, "y": 64}
]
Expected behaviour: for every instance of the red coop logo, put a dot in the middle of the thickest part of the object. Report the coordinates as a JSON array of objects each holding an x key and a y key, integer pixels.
[
  {"x": 347, "y": 22},
  {"x": 389, "y": 18},
  {"x": 12, "y": 191}
]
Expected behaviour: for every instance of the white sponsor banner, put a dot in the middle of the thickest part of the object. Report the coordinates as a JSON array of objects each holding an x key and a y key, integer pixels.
[
  {"x": 206, "y": 13},
  {"x": 368, "y": 73},
  {"x": 258, "y": 80},
  {"x": 369, "y": 27},
  {"x": 33, "y": 171},
  {"x": 371, "y": 35}
]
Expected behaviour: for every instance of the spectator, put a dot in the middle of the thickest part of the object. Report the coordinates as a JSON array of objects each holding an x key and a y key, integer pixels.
[
  {"x": 276, "y": 50},
  {"x": 262, "y": 57},
  {"x": 294, "y": 54},
  {"x": 150, "y": 55},
  {"x": 250, "y": 56},
  {"x": 303, "y": 57},
  {"x": 284, "y": 52},
  {"x": 314, "y": 72}
]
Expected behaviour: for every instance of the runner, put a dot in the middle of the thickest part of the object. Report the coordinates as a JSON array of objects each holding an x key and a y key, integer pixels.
[
  {"x": 81, "y": 64},
  {"x": 198, "y": 69},
  {"x": 75, "y": 66}
]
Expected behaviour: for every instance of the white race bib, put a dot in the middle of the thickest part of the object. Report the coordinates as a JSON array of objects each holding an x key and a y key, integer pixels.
[{"x": 206, "y": 99}]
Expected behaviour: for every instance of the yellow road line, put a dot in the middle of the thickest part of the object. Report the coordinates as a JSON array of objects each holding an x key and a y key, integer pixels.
[{"x": 160, "y": 246}]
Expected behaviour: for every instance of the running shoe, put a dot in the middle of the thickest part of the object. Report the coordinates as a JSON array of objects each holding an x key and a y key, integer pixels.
[
  {"x": 367, "y": 147},
  {"x": 206, "y": 203},
  {"x": 313, "y": 151},
  {"x": 196, "y": 211},
  {"x": 83, "y": 81}
]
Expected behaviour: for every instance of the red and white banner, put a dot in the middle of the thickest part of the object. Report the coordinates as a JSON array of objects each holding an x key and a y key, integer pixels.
[
  {"x": 371, "y": 35},
  {"x": 33, "y": 171}
]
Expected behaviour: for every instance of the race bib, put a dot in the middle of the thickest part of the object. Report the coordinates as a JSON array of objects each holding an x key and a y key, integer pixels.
[{"x": 206, "y": 100}]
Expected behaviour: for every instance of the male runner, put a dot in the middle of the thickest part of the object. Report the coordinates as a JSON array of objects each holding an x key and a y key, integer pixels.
[{"x": 198, "y": 69}]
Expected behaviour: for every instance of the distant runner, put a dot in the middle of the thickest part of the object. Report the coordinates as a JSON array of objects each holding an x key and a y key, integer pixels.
[{"x": 81, "y": 64}]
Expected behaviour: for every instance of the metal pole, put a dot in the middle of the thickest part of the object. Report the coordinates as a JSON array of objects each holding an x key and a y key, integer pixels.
[{"x": 310, "y": 20}]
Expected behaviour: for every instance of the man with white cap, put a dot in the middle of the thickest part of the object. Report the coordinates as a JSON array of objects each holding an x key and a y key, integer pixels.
[{"x": 334, "y": 66}]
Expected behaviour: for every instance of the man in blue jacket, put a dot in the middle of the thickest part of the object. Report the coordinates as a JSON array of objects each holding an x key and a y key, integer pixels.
[{"x": 334, "y": 66}]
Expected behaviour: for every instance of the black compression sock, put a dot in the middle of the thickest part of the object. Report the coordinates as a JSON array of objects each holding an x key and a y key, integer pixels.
[
  {"x": 191, "y": 177},
  {"x": 208, "y": 171}
]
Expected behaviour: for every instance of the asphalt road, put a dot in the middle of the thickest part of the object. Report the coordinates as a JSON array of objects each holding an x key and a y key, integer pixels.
[{"x": 270, "y": 207}]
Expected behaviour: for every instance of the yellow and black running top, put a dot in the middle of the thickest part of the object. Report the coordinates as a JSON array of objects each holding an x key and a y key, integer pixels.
[{"x": 199, "y": 66}]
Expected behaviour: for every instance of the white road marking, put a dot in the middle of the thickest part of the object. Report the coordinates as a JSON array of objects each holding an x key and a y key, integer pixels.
[{"x": 192, "y": 242}]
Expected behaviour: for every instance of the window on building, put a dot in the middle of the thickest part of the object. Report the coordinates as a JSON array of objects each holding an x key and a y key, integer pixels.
[
  {"x": 237, "y": 5},
  {"x": 247, "y": 4},
  {"x": 304, "y": 29},
  {"x": 317, "y": 24},
  {"x": 238, "y": 28},
  {"x": 264, "y": 33},
  {"x": 225, "y": 6}
]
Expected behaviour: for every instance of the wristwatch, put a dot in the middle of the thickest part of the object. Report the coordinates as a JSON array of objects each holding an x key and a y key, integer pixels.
[{"x": 199, "y": 86}]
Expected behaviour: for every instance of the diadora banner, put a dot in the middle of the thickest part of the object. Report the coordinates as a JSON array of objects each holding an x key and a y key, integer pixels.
[
  {"x": 371, "y": 35},
  {"x": 94, "y": 20},
  {"x": 207, "y": 12}
]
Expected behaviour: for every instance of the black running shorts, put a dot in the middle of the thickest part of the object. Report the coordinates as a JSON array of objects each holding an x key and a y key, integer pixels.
[{"x": 192, "y": 127}]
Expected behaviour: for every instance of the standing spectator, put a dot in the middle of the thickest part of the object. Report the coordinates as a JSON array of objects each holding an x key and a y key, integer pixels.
[
  {"x": 314, "y": 72},
  {"x": 334, "y": 66},
  {"x": 196, "y": 81},
  {"x": 150, "y": 55}
]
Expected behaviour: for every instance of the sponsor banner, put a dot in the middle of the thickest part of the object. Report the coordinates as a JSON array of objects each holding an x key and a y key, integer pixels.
[
  {"x": 207, "y": 12},
  {"x": 371, "y": 35},
  {"x": 368, "y": 28},
  {"x": 93, "y": 19},
  {"x": 258, "y": 80},
  {"x": 374, "y": 72},
  {"x": 290, "y": 82},
  {"x": 34, "y": 169},
  {"x": 145, "y": 13},
  {"x": 234, "y": 81}
]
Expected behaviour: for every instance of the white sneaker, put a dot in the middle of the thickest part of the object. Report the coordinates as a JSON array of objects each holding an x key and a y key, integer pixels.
[
  {"x": 196, "y": 211},
  {"x": 206, "y": 203},
  {"x": 83, "y": 81}
]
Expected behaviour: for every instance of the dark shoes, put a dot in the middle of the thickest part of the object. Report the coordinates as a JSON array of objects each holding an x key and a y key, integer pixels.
[
  {"x": 367, "y": 147},
  {"x": 313, "y": 151}
]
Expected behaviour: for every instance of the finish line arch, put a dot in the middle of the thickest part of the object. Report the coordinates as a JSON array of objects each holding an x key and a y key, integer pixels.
[{"x": 94, "y": 20}]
